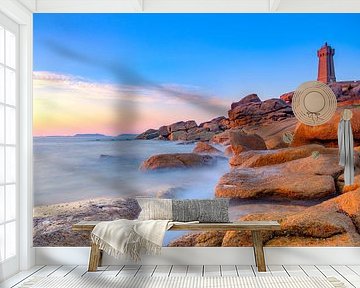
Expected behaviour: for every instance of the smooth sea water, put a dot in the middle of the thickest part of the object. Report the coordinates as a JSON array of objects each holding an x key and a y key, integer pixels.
[{"x": 68, "y": 169}]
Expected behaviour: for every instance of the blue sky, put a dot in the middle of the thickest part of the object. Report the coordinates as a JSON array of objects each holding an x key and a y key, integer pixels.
[{"x": 226, "y": 55}]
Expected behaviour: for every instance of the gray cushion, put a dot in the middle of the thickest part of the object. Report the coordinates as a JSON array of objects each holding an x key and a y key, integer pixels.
[{"x": 210, "y": 211}]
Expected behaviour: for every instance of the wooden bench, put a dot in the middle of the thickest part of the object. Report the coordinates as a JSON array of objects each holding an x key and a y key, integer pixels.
[{"x": 254, "y": 226}]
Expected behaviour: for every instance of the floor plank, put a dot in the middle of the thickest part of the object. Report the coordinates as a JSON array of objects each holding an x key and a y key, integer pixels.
[
  {"x": 112, "y": 271},
  {"x": 245, "y": 271},
  {"x": 97, "y": 273},
  {"x": 162, "y": 271},
  {"x": 129, "y": 270},
  {"x": 229, "y": 270},
  {"x": 79, "y": 271},
  {"x": 195, "y": 271},
  {"x": 311, "y": 271},
  {"x": 212, "y": 270},
  {"x": 294, "y": 271},
  {"x": 328, "y": 271},
  {"x": 146, "y": 271},
  {"x": 178, "y": 270},
  {"x": 355, "y": 268},
  {"x": 46, "y": 271},
  {"x": 62, "y": 271},
  {"x": 278, "y": 270},
  {"x": 349, "y": 274},
  {"x": 20, "y": 277}
]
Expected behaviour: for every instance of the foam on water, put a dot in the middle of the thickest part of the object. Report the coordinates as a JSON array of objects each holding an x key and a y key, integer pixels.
[{"x": 76, "y": 168}]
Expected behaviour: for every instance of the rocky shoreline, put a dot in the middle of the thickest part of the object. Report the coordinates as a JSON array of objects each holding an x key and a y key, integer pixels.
[
  {"x": 53, "y": 223},
  {"x": 334, "y": 222},
  {"x": 249, "y": 111},
  {"x": 264, "y": 166}
]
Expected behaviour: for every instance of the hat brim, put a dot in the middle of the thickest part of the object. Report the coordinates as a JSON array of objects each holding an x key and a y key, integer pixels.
[{"x": 314, "y": 103}]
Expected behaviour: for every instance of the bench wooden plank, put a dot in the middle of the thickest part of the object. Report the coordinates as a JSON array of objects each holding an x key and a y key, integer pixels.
[{"x": 238, "y": 226}]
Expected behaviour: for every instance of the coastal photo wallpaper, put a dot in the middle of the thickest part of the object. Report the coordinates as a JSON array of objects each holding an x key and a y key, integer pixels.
[{"x": 193, "y": 106}]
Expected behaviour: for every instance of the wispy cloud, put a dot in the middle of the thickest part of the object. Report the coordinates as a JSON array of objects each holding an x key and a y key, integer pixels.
[
  {"x": 128, "y": 76},
  {"x": 69, "y": 104}
]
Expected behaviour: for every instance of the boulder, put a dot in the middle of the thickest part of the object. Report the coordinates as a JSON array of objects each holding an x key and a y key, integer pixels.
[
  {"x": 221, "y": 138},
  {"x": 206, "y": 148},
  {"x": 200, "y": 134},
  {"x": 336, "y": 88},
  {"x": 272, "y": 105},
  {"x": 258, "y": 158},
  {"x": 272, "y": 183},
  {"x": 287, "y": 97},
  {"x": 241, "y": 141},
  {"x": 326, "y": 134},
  {"x": 177, "y": 160},
  {"x": 273, "y": 132},
  {"x": 213, "y": 127},
  {"x": 304, "y": 178},
  {"x": 190, "y": 124},
  {"x": 252, "y": 98},
  {"x": 148, "y": 134},
  {"x": 224, "y": 123},
  {"x": 217, "y": 124},
  {"x": 178, "y": 136},
  {"x": 256, "y": 113},
  {"x": 178, "y": 126},
  {"x": 355, "y": 92},
  {"x": 164, "y": 131},
  {"x": 244, "y": 110}
]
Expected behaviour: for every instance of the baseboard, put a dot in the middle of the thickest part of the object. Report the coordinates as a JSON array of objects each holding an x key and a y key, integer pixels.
[{"x": 210, "y": 256}]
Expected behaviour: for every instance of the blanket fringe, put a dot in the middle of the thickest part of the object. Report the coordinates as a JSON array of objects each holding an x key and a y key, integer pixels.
[
  {"x": 135, "y": 245},
  {"x": 336, "y": 283}
]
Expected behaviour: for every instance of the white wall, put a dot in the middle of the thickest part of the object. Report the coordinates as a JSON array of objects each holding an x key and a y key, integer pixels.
[{"x": 21, "y": 13}]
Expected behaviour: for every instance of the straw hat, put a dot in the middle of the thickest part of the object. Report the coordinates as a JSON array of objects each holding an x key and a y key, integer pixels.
[{"x": 314, "y": 103}]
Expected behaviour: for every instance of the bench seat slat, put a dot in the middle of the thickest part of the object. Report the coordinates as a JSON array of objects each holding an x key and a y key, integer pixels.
[{"x": 244, "y": 225}]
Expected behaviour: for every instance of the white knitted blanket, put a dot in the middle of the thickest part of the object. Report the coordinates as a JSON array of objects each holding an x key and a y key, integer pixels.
[{"x": 130, "y": 238}]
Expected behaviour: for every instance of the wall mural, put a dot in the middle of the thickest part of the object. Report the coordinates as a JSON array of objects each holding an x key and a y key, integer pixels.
[{"x": 211, "y": 91}]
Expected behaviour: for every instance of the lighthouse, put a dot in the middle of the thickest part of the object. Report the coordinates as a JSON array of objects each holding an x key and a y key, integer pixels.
[{"x": 326, "y": 69}]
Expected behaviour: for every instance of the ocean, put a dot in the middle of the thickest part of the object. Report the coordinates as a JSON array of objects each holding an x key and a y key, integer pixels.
[{"x": 68, "y": 169}]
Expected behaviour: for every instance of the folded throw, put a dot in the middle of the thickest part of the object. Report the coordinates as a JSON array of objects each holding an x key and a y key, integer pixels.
[
  {"x": 346, "y": 150},
  {"x": 130, "y": 237}
]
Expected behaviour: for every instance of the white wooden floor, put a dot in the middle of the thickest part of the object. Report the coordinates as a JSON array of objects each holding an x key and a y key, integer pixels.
[{"x": 350, "y": 275}]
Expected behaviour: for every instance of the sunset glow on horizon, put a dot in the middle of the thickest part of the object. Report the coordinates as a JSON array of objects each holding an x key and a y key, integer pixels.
[{"x": 67, "y": 105}]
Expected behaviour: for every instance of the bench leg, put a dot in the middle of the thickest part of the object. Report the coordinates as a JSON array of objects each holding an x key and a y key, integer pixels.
[
  {"x": 259, "y": 251},
  {"x": 95, "y": 258}
]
